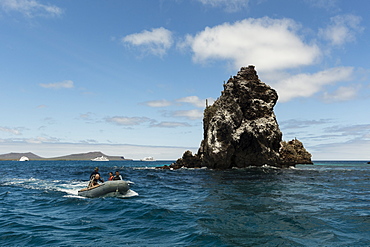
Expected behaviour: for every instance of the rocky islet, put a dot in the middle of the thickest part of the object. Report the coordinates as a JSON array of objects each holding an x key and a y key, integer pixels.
[{"x": 241, "y": 130}]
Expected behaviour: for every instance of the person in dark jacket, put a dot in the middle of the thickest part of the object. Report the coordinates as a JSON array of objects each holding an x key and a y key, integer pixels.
[
  {"x": 94, "y": 178},
  {"x": 96, "y": 171},
  {"x": 117, "y": 176}
]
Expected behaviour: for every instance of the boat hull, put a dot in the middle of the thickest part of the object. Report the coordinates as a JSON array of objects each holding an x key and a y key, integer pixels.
[{"x": 109, "y": 188}]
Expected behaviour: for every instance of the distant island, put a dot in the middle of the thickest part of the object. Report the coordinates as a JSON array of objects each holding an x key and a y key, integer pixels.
[{"x": 79, "y": 156}]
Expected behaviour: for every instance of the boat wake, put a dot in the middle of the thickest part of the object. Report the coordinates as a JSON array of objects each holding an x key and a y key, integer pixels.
[{"x": 70, "y": 188}]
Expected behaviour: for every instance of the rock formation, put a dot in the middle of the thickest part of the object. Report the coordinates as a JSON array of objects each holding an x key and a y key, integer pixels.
[
  {"x": 188, "y": 160},
  {"x": 293, "y": 152},
  {"x": 240, "y": 128}
]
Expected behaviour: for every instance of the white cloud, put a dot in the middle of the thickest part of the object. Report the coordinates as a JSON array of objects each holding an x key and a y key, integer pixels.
[
  {"x": 228, "y": 5},
  {"x": 196, "y": 101},
  {"x": 157, "y": 41},
  {"x": 342, "y": 94},
  {"x": 170, "y": 125},
  {"x": 190, "y": 114},
  {"x": 272, "y": 44},
  {"x": 128, "y": 121},
  {"x": 306, "y": 85},
  {"x": 343, "y": 29},
  {"x": 158, "y": 103},
  {"x": 58, "y": 85},
  {"x": 30, "y": 8},
  {"x": 14, "y": 131}
]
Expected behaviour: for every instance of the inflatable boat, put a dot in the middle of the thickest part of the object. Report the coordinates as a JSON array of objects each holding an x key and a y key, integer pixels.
[{"x": 109, "y": 188}]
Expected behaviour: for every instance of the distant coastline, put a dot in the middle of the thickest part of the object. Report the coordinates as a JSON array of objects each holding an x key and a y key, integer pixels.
[{"x": 79, "y": 156}]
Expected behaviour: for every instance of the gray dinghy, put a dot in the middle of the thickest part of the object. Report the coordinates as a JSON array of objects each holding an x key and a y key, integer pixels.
[{"x": 109, "y": 188}]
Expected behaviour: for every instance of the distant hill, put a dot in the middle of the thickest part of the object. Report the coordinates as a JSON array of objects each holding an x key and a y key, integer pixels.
[
  {"x": 17, "y": 156},
  {"x": 80, "y": 156},
  {"x": 87, "y": 156}
]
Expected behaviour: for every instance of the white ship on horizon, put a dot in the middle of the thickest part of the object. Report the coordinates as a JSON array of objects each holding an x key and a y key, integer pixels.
[
  {"x": 101, "y": 158},
  {"x": 148, "y": 159}
]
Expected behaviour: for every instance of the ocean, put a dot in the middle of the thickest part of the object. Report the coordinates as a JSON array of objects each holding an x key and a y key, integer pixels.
[{"x": 326, "y": 204}]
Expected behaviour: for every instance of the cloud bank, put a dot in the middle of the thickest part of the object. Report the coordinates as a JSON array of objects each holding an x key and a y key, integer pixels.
[
  {"x": 275, "y": 46},
  {"x": 306, "y": 85}
]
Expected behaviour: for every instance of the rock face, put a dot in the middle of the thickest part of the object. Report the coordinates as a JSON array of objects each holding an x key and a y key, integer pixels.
[
  {"x": 293, "y": 152},
  {"x": 240, "y": 128},
  {"x": 188, "y": 160}
]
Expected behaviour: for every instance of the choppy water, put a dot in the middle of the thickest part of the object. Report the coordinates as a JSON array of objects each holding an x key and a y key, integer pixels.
[{"x": 323, "y": 205}]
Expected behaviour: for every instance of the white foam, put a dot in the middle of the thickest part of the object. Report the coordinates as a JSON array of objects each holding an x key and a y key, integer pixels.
[
  {"x": 70, "y": 188},
  {"x": 129, "y": 193},
  {"x": 75, "y": 196}
]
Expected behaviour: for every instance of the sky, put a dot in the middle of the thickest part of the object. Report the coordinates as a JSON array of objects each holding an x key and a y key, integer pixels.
[{"x": 131, "y": 78}]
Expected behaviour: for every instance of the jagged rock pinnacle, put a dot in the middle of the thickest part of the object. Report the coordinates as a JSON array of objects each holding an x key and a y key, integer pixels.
[{"x": 240, "y": 128}]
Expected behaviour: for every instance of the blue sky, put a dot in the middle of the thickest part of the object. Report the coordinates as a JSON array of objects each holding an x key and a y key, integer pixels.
[{"x": 131, "y": 77}]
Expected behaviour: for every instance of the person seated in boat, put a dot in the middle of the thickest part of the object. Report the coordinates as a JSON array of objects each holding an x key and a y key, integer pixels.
[
  {"x": 110, "y": 176},
  {"x": 95, "y": 172},
  {"x": 117, "y": 176},
  {"x": 94, "y": 181}
]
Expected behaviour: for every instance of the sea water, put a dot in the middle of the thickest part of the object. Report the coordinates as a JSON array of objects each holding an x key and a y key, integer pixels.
[{"x": 326, "y": 204}]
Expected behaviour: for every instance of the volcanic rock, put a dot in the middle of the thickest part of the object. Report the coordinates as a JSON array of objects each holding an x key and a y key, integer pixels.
[
  {"x": 241, "y": 130},
  {"x": 293, "y": 152},
  {"x": 188, "y": 160}
]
